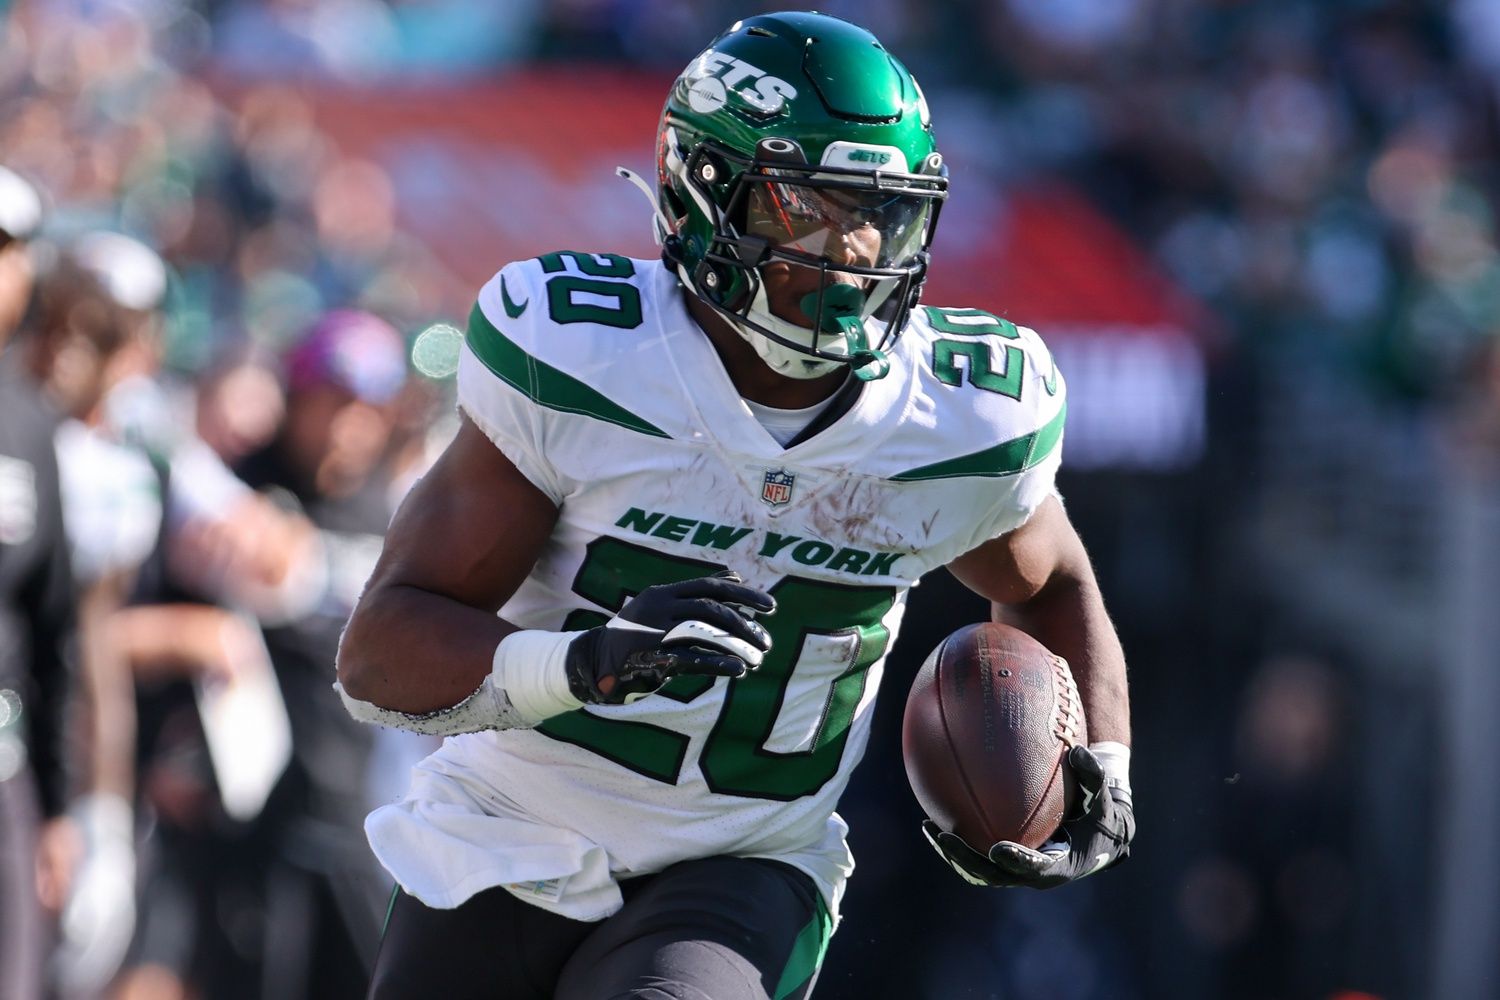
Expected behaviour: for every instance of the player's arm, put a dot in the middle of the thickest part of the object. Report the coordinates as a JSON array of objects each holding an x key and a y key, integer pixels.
[
  {"x": 1039, "y": 578},
  {"x": 425, "y": 649}
]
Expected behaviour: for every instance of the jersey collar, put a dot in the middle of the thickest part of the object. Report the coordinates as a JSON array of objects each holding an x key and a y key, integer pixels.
[{"x": 861, "y": 419}]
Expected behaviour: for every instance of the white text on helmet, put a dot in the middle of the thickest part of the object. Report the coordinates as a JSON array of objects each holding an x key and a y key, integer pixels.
[
  {"x": 762, "y": 92},
  {"x": 865, "y": 156}
]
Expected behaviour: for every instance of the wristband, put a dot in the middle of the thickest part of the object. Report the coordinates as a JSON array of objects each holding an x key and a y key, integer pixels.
[
  {"x": 99, "y": 917},
  {"x": 104, "y": 819},
  {"x": 1114, "y": 758},
  {"x": 527, "y": 684},
  {"x": 529, "y": 666}
]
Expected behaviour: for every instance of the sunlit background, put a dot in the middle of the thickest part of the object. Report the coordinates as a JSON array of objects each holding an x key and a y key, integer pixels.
[{"x": 1260, "y": 237}]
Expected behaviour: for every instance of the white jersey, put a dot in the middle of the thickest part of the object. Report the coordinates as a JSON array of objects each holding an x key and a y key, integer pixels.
[{"x": 589, "y": 374}]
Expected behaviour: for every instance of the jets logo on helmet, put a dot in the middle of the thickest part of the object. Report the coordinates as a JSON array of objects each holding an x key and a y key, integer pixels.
[
  {"x": 713, "y": 76},
  {"x": 854, "y": 154},
  {"x": 796, "y": 140}
]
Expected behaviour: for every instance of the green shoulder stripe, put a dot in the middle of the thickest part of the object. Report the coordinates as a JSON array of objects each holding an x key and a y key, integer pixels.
[
  {"x": 544, "y": 384},
  {"x": 1007, "y": 458}
]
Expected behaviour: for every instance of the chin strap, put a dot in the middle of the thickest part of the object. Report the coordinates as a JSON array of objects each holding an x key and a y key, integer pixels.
[
  {"x": 838, "y": 308},
  {"x": 661, "y": 227},
  {"x": 870, "y": 365}
]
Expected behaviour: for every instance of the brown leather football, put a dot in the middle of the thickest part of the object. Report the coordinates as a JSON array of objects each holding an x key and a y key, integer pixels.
[{"x": 988, "y": 724}]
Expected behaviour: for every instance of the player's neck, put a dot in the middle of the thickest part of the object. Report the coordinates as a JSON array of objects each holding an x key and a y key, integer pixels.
[{"x": 750, "y": 375}]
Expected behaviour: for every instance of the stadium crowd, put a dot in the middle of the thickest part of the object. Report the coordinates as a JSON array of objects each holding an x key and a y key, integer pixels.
[{"x": 245, "y": 357}]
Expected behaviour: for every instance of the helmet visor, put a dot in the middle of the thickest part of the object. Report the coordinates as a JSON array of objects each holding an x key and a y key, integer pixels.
[{"x": 869, "y": 227}]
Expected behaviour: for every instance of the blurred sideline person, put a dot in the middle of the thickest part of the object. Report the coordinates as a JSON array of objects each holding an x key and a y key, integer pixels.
[
  {"x": 649, "y": 588},
  {"x": 96, "y": 325},
  {"x": 229, "y": 562},
  {"x": 225, "y": 540},
  {"x": 37, "y": 613},
  {"x": 326, "y": 462},
  {"x": 324, "y": 895},
  {"x": 283, "y": 899}
]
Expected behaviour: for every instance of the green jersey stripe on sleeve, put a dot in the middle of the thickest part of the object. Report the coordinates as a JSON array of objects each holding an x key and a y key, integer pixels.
[
  {"x": 1004, "y": 459},
  {"x": 544, "y": 384}
]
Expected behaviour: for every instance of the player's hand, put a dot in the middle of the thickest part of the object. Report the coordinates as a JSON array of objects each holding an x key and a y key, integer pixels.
[
  {"x": 1097, "y": 838},
  {"x": 702, "y": 627},
  {"x": 98, "y": 918}
]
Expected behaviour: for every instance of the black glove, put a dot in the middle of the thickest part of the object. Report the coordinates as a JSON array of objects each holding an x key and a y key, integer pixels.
[
  {"x": 1096, "y": 839},
  {"x": 702, "y": 626}
]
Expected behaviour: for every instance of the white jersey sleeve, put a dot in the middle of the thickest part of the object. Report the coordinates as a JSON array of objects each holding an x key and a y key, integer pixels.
[
  {"x": 496, "y": 373},
  {"x": 992, "y": 394},
  {"x": 1038, "y": 452}
]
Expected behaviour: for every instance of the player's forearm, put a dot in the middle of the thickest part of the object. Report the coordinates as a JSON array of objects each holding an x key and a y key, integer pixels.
[
  {"x": 415, "y": 651},
  {"x": 108, "y": 689},
  {"x": 168, "y": 640},
  {"x": 1068, "y": 617}
]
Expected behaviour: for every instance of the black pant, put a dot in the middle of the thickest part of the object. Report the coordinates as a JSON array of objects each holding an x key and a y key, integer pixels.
[
  {"x": 714, "y": 929},
  {"x": 23, "y": 927}
]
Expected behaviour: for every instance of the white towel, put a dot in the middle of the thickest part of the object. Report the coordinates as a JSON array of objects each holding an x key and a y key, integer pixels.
[{"x": 450, "y": 839}]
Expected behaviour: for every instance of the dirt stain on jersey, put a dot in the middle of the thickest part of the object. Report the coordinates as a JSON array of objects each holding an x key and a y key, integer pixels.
[{"x": 851, "y": 509}]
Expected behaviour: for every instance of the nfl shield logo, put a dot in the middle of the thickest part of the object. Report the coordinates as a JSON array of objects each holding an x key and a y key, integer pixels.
[{"x": 777, "y": 488}]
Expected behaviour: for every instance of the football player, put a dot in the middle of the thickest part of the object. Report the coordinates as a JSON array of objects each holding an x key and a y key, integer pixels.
[
  {"x": 649, "y": 588},
  {"x": 38, "y": 615}
]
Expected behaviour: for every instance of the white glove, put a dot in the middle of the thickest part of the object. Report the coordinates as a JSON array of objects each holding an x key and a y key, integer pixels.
[{"x": 98, "y": 919}]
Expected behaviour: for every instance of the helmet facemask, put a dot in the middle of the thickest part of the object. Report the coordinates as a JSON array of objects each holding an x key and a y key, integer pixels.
[{"x": 852, "y": 241}]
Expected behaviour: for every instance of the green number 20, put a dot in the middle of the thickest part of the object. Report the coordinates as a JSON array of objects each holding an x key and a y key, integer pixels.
[
  {"x": 976, "y": 323},
  {"x": 734, "y": 759},
  {"x": 616, "y": 303}
]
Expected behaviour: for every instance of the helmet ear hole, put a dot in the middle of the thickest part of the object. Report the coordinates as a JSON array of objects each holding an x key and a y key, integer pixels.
[{"x": 775, "y": 149}]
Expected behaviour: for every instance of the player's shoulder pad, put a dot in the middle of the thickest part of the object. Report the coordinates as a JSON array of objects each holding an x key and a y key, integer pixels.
[
  {"x": 992, "y": 387},
  {"x": 557, "y": 310}
]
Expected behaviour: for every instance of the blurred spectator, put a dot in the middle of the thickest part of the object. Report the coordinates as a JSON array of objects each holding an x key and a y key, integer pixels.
[
  {"x": 276, "y": 918},
  {"x": 362, "y": 40},
  {"x": 325, "y": 895},
  {"x": 1476, "y": 411},
  {"x": 290, "y": 543},
  {"x": 240, "y": 405},
  {"x": 214, "y": 728},
  {"x": 1285, "y": 895},
  {"x": 37, "y": 612},
  {"x": 340, "y": 376},
  {"x": 461, "y": 37},
  {"x": 282, "y": 38},
  {"x": 97, "y": 325}
]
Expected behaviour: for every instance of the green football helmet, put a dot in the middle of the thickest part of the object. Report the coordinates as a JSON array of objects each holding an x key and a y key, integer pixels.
[{"x": 797, "y": 140}]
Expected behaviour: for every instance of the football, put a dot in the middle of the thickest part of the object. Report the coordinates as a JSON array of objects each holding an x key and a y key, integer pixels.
[{"x": 988, "y": 724}]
